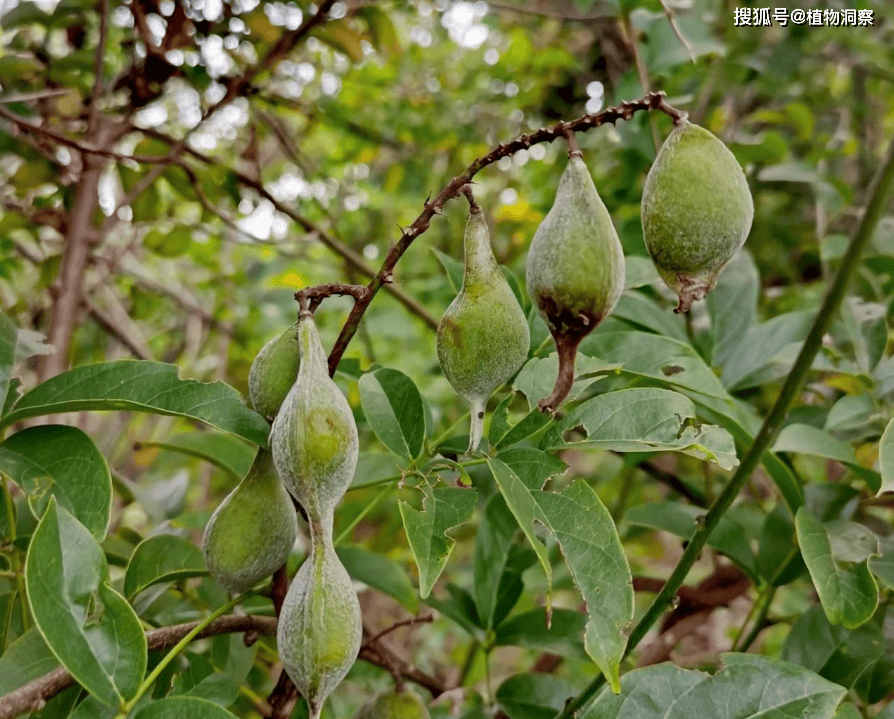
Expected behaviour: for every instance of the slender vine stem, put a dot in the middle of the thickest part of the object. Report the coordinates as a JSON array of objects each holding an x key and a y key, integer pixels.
[
  {"x": 377, "y": 500},
  {"x": 878, "y": 193},
  {"x": 181, "y": 645},
  {"x": 759, "y": 620}
]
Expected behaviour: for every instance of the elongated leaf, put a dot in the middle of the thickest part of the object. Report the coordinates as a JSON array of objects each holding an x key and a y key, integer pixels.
[
  {"x": 393, "y": 407},
  {"x": 226, "y": 451},
  {"x": 89, "y": 626},
  {"x": 533, "y": 696},
  {"x": 183, "y": 707},
  {"x": 141, "y": 387},
  {"x": 886, "y": 458},
  {"x": 732, "y": 305},
  {"x": 805, "y": 439},
  {"x": 858, "y": 659},
  {"x": 443, "y": 508},
  {"x": 8, "y": 334},
  {"x": 846, "y": 588},
  {"x": 492, "y": 542},
  {"x": 585, "y": 531},
  {"x": 747, "y": 687},
  {"x": 160, "y": 559},
  {"x": 670, "y": 361},
  {"x": 26, "y": 659},
  {"x": 645, "y": 420},
  {"x": 62, "y": 462},
  {"x": 532, "y": 466},
  {"x": 762, "y": 342},
  {"x": 380, "y": 572},
  {"x": 563, "y": 635},
  {"x": 505, "y": 435},
  {"x": 728, "y": 537},
  {"x": 643, "y": 313}
]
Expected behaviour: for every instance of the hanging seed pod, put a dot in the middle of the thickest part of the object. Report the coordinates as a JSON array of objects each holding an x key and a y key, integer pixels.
[
  {"x": 483, "y": 338},
  {"x": 697, "y": 211},
  {"x": 252, "y": 532},
  {"x": 273, "y": 372},
  {"x": 575, "y": 271}
]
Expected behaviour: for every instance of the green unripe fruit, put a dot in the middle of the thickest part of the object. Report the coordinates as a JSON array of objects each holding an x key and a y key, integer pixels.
[
  {"x": 696, "y": 211},
  {"x": 314, "y": 436},
  {"x": 273, "y": 372},
  {"x": 403, "y": 705},
  {"x": 483, "y": 338},
  {"x": 252, "y": 532},
  {"x": 319, "y": 629},
  {"x": 575, "y": 271}
]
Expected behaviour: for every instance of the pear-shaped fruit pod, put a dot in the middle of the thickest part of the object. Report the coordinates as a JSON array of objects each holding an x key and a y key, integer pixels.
[
  {"x": 696, "y": 211},
  {"x": 314, "y": 436},
  {"x": 319, "y": 629},
  {"x": 395, "y": 705},
  {"x": 483, "y": 338},
  {"x": 251, "y": 533},
  {"x": 273, "y": 372},
  {"x": 575, "y": 271}
]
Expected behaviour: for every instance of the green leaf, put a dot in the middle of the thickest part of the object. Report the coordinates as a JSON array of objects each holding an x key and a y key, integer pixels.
[
  {"x": 532, "y": 466},
  {"x": 491, "y": 556},
  {"x": 868, "y": 332},
  {"x": 161, "y": 559},
  {"x": 670, "y": 361},
  {"x": 453, "y": 268},
  {"x": 141, "y": 387},
  {"x": 169, "y": 244},
  {"x": 886, "y": 458},
  {"x": 643, "y": 313},
  {"x": 644, "y": 420},
  {"x": 8, "y": 334},
  {"x": 729, "y": 537},
  {"x": 845, "y": 585},
  {"x": 883, "y": 566},
  {"x": 26, "y": 659},
  {"x": 853, "y": 411},
  {"x": 747, "y": 687},
  {"x": 537, "y": 376},
  {"x": 585, "y": 531},
  {"x": 505, "y": 435},
  {"x": 89, "y": 626},
  {"x": 563, "y": 635},
  {"x": 443, "y": 509},
  {"x": 380, "y": 572},
  {"x": 62, "y": 462},
  {"x": 183, "y": 707},
  {"x": 341, "y": 38},
  {"x": 533, "y": 696},
  {"x": 778, "y": 559},
  {"x": 225, "y": 451},
  {"x": 754, "y": 361},
  {"x": 805, "y": 439},
  {"x": 858, "y": 659},
  {"x": 393, "y": 407},
  {"x": 732, "y": 305}
]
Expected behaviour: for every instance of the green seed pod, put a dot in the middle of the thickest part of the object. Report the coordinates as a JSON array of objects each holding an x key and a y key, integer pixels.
[
  {"x": 483, "y": 338},
  {"x": 394, "y": 705},
  {"x": 251, "y": 533},
  {"x": 273, "y": 372},
  {"x": 319, "y": 627},
  {"x": 314, "y": 436},
  {"x": 696, "y": 211},
  {"x": 575, "y": 272}
]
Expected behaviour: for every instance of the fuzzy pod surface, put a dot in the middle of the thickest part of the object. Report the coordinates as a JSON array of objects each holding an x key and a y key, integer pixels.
[
  {"x": 696, "y": 211},
  {"x": 483, "y": 337},
  {"x": 314, "y": 437},
  {"x": 320, "y": 628},
  {"x": 252, "y": 532},
  {"x": 575, "y": 269},
  {"x": 273, "y": 372},
  {"x": 395, "y": 705}
]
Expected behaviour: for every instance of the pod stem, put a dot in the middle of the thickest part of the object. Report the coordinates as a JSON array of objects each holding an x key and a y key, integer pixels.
[
  {"x": 476, "y": 431},
  {"x": 567, "y": 348}
]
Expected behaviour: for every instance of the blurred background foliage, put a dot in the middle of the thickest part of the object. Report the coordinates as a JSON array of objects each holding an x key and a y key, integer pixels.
[{"x": 302, "y": 171}]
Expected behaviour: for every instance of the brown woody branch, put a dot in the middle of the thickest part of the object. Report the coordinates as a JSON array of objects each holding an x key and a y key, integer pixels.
[
  {"x": 33, "y": 695},
  {"x": 385, "y": 275}
]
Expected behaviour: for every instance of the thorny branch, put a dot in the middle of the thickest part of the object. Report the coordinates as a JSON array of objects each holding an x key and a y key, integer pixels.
[{"x": 385, "y": 275}]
